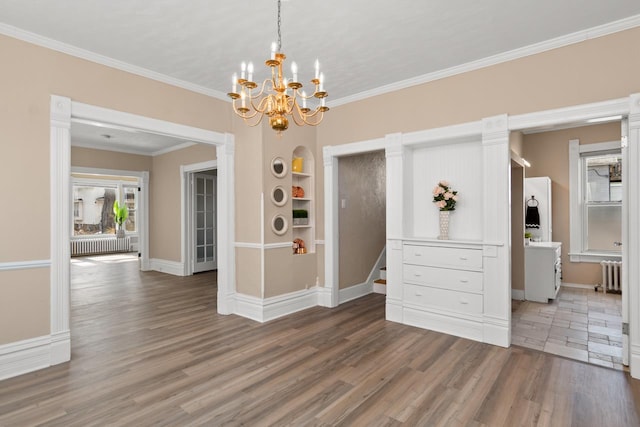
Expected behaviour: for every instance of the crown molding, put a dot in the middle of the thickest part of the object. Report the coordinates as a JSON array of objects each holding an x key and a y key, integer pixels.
[
  {"x": 566, "y": 40},
  {"x": 58, "y": 46}
]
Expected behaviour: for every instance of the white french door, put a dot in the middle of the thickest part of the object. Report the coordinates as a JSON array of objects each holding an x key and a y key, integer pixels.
[{"x": 204, "y": 251}]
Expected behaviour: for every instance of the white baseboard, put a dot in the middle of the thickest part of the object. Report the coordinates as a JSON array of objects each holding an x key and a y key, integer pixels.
[
  {"x": 170, "y": 267},
  {"x": 324, "y": 296},
  {"x": 263, "y": 310},
  {"x": 634, "y": 361},
  {"x": 353, "y": 292},
  {"x": 496, "y": 331},
  {"x": 393, "y": 310},
  {"x": 29, "y": 355},
  {"x": 517, "y": 294},
  {"x": 577, "y": 285}
]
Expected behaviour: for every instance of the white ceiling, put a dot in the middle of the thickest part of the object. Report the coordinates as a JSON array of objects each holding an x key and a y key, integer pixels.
[
  {"x": 363, "y": 45},
  {"x": 122, "y": 139}
]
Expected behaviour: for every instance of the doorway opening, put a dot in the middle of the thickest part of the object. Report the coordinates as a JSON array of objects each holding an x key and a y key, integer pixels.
[
  {"x": 566, "y": 217},
  {"x": 199, "y": 217}
]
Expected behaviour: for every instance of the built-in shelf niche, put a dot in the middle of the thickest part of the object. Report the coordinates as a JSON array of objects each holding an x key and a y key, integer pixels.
[
  {"x": 459, "y": 164},
  {"x": 304, "y": 178}
]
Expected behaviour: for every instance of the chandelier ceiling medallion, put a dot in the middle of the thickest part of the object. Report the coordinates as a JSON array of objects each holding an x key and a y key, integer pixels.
[{"x": 279, "y": 97}]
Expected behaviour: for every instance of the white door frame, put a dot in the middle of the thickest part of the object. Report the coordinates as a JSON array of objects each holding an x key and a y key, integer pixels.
[
  {"x": 62, "y": 110},
  {"x": 330, "y": 296},
  {"x": 186, "y": 210}
]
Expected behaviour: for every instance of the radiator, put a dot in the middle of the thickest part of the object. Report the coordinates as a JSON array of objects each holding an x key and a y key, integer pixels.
[
  {"x": 611, "y": 276},
  {"x": 99, "y": 246}
]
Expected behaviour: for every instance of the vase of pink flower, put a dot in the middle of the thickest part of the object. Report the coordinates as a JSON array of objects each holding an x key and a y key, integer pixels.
[{"x": 445, "y": 199}]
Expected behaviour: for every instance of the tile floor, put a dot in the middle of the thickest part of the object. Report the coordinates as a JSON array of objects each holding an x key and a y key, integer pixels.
[{"x": 579, "y": 324}]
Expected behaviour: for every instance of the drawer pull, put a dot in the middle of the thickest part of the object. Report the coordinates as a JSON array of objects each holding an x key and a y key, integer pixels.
[
  {"x": 464, "y": 301},
  {"x": 417, "y": 254},
  {"x": 464, "y": 281},
  {"x": 417, "y": 274},
  {"x": 418, "y": 294},
  {"x": 463, "y": 258}
]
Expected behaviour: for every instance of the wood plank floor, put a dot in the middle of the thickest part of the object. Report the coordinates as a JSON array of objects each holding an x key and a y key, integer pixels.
[{"x": 149, "y": 349}]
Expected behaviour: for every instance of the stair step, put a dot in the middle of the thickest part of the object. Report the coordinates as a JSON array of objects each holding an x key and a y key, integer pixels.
[
  {"x": 383, "y": 273},
  {"x": 380, "y": 286}
]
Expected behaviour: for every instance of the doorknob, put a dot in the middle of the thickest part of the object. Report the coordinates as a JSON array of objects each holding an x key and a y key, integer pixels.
[{"x": 617, "y": 243}]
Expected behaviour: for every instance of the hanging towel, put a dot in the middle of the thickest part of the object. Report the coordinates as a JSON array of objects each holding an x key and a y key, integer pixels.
[{"x": 532, "y": 219}]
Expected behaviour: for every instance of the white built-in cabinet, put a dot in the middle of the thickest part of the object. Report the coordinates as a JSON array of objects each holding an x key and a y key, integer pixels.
[{"x": 457, "y": 286}]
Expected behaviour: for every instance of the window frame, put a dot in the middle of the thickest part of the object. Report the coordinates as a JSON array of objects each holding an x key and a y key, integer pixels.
[{"x": 577, "y": 206}]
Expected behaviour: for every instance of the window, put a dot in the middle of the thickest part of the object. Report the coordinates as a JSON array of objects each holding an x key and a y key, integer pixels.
[
  {"x": 93, "y": 205},
  {"x": 596, "y": 189}
]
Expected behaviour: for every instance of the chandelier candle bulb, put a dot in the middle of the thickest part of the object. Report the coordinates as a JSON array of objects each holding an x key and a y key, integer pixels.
[
  {"x": 294, "y": 71},
  {"x": 304, "y": 99},
  {"x": 273, "y": 50},
  {"x": 321, "y": 82},
  {"x": 243, "y": 70},
  {"x": 250, "y": 71},
  {"x": 234, "y": 82},
  {"x": 316, "y": 65}
]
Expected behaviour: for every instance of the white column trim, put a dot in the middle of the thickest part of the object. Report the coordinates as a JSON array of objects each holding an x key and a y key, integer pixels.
[
  {"x": 496, "y": 213},
  {"x": 60, "y": 187},
  {"x": 331, "y": 226},
  {"x": 632, "y": 244},
  {"x": 225, "y": 155}
]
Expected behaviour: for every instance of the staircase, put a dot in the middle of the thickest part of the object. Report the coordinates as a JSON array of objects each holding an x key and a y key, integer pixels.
[{"x": 380, "y": 285}]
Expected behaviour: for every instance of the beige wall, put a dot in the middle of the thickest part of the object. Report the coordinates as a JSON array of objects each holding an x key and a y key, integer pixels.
[
  {"x": 517, "y": 226},
  {"x": 362, "y": 223},
  {"x": 594, "y": 70},
  {"x": 548, "y": 153},
  {"x": 165, "y": 226},
  {"x": 24, "y": 304},
  {"x": 101, "y": 159},
  {"x": 28, "y": 77}
]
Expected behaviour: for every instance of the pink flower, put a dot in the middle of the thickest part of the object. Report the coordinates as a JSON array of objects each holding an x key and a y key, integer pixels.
[
  {"x": 448, "y": 195},
  {"x": 441, "y": 204},
  {"x": 455, "y": 198},
  {"x": 436, "y": 190},
  {"x": 444, "y": 183}
]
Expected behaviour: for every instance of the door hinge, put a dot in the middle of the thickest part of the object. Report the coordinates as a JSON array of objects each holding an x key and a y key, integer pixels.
[
  {"x": 139, "y": 255},
  {"x": 624, "y": 143},
  {"x": 625, "y": 329},
  {"x": 138, "y": 188}
]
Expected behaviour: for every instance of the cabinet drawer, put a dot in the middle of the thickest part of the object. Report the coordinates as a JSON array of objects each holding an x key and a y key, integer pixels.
[
  {"x": 458, "y": 280},
  {"x": 443, "y": 257},
  {"x": 443, "y": 299}
]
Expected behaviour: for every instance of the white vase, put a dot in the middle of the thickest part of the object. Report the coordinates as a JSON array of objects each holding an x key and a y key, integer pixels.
[{"x": 444, "y": 225}]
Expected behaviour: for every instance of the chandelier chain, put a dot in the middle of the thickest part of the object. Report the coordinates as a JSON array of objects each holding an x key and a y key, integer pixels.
[{"x": 279, "y": 33}]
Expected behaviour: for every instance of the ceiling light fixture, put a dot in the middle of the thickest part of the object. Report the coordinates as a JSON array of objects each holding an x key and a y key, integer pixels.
[{"x": 279, "y": 97}]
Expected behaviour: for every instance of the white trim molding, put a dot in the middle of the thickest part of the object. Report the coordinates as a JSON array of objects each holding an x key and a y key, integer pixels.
[
  {"x": 266, "y": 309},
  {"x": 175, "y": 268},
  {"x": 536, "y": 48},
  {"x": 25, "y": 265},
  {"x": 32, "y": 354},
  {"x": 355, "y": 292}
]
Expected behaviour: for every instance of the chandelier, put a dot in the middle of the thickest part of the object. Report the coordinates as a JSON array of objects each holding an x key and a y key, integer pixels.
[{"x": 279, "y": 97}]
